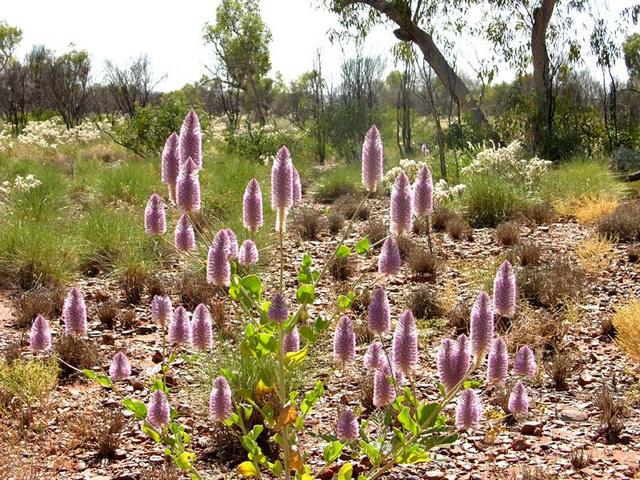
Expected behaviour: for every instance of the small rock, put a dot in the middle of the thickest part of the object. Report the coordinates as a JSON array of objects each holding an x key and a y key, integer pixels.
[
  {"x": 157, "y": 357},
  {"x": 572, "y": 415},
  {"x": 532, "y": 428},
  {"x": 519, "y": 444},
  {"x": 146, "y": 329},
  {"x": 108, "y": 339},
  {"x": 585, "y": 379}
]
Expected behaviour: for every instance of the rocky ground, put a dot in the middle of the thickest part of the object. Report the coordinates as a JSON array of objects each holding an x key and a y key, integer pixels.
[{"x": 562, "y": 424}]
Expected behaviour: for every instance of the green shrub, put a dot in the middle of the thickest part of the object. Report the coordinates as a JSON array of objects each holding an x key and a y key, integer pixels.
[
  {"x": 256, "y": 143},
  {"x": 148, "y": 130},
  {"x": 489, "y": 200}
]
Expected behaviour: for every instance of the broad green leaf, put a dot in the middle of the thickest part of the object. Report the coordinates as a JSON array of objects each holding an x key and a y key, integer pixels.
[
  {"x": 138, "y": 408},
  {"x": 248, "y": 469},
  {"x": 151, "y": 432},
  {"x": 90, "y": 374},
  {"x": 363, "y": 246},
  {"x": 404, "y": 417},
  {"x": 311, "y": 397},
  {"x": 104, "y": 381},
  {"x": 321, "y": 324},
  {"x": 345, "y": 472},
  {"x": 306, "y": 294},
  {"x": 343, "y": 251},
  {"x": 307, "y": 332},
  {"x": 332, "y": 451},
  {"x": 183, "y": 461},
  {"x": 345, "y": 301},
  {"x": 252, "y": 284},
  {"x": 426, "y": 411}
]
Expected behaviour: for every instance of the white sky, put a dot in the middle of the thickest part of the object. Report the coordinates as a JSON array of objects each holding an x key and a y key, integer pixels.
[{"x": 170, "y": 33}]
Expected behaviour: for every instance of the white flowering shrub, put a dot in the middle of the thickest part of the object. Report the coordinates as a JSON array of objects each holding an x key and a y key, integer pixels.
[
  {"x": 510, "y": 163},
  {"x": 51, "y": 134},
  {"x": 19, "y": 184},
  {"x": 441, "y": 189}
]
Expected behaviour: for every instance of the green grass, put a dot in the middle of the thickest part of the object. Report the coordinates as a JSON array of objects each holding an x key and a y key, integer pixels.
[
  {"x": 340, "y": 180},
  {"x": 578, "y": 178}
]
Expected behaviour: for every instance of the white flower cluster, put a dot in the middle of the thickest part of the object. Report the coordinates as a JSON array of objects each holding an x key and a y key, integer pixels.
[
  {"x": 442, "y": 190},
  {"x": 409, "y": 167},
  {"x": 509, "y": 163},
  {"x": 50, "y": 134},
  {"x": 20, "y": 184}
]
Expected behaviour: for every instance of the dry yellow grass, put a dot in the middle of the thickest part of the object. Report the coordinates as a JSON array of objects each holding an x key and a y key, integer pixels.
[
  {"x": 595, "y": 253},
  {"x": 626, "y": 319},
  {"x": 588, "y": 208}
]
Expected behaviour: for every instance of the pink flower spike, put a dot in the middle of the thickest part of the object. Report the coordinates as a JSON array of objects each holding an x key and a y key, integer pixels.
[
  {"x": 372, "y": 159},
  {"x": 252, "y": 217},
  {"x": 179, "y": 328},
  {"x": 120, "y": 369},
  {"x": 504, "y": 290},
  {"x": 344, "y": 342},
  {"x": 201, "y": 329},
  {"x": 155, "y": 222},
  {"x": 291, "y": 341},
  {"x": 161, "y": 310},
  {"x": 248, "y": 253},
  {"x": 401, "y": 205},
  {"x": 389, "y": 261},
  {"x": 40, "y": 335},
  {"x": 278, "y": 310},
  {"x": 524, "y": 363},
  {"x": 468, "y": 410},
  {"x": 190, "y": 140},
  {"x": 220, "y": 401},
  {"x": 158, "y": 410},
  {"x": 481, "y": 326},
  {"x": 379, "y": 320},
  {"x": 232, "y": 243},
  {"x": 405, "y": 344},
  {"x": 218, "y": 267},
  {"x": 171, "y": 164},
  {"x": 423, "y": 192},
  {"x": 188, "y": 187},
  {"x": 347, "y": 429},
  {"x": 383, "y": 391},
  {"x": 184, "y": 236},
  {"x": 375, "y": 357},
  {"x": 498, "y": 368},
  {"x": 519, "y": 400},
  {"x": 74, "y": 313},
  {"x": 296, "y": 186},
  {"x": 282, "y": 181}
]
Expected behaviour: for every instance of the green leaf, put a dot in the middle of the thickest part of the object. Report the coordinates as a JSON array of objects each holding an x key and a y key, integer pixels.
[
  {"x": 432, "y": 441},
  {"x": 332, "y": 451},
  {"x": 267, "y": 343},
  {"x": 371, "y": 451},
  {"x": 90, "y": 374},
  {"x": 425, "y": 411},
  {"x": 404, "y": 417},
  {"x": 293, "y": 359},
  {"x": 472, "y": 384},
  {"x": 138, "y": 408},
  {"x": 363, "y": 246},
  {"x": 345, "y": 301},
  {"x": 311, "y": 398},
  {"x": 343, "y": 251},
  {"x": 414, "y": 454},
  {"x": 345, "y": 472},
  {"x": 151, "y": 432},
  {"x": 321, "y": 324},
  {"x": 306, "y": 294},
  {"x": 253, "y": 285},
  {"x": 183, "y": 461},
  {"x": 104, "y": 381},
  {"x": 248, "y": 469}
]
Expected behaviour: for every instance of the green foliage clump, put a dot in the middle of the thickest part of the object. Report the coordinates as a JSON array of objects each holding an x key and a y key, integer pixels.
[
  {"x": 259, "y": 143},
  {"x": 338, "y": 182},
  {"x": 489, "y": 200},
  {"x": 147, "y": 131},
  {"x": 28, "y": 382}
]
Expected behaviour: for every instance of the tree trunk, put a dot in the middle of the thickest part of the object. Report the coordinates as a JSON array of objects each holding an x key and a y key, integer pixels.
[
  {"x": 409, "y": 31},
  {"x": 542, "y": 81}
]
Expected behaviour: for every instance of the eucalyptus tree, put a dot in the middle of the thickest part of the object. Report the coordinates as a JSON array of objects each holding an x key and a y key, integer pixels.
[
  {"x": 418, "y": 22},
  {"x": 240, "y": 42}
]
